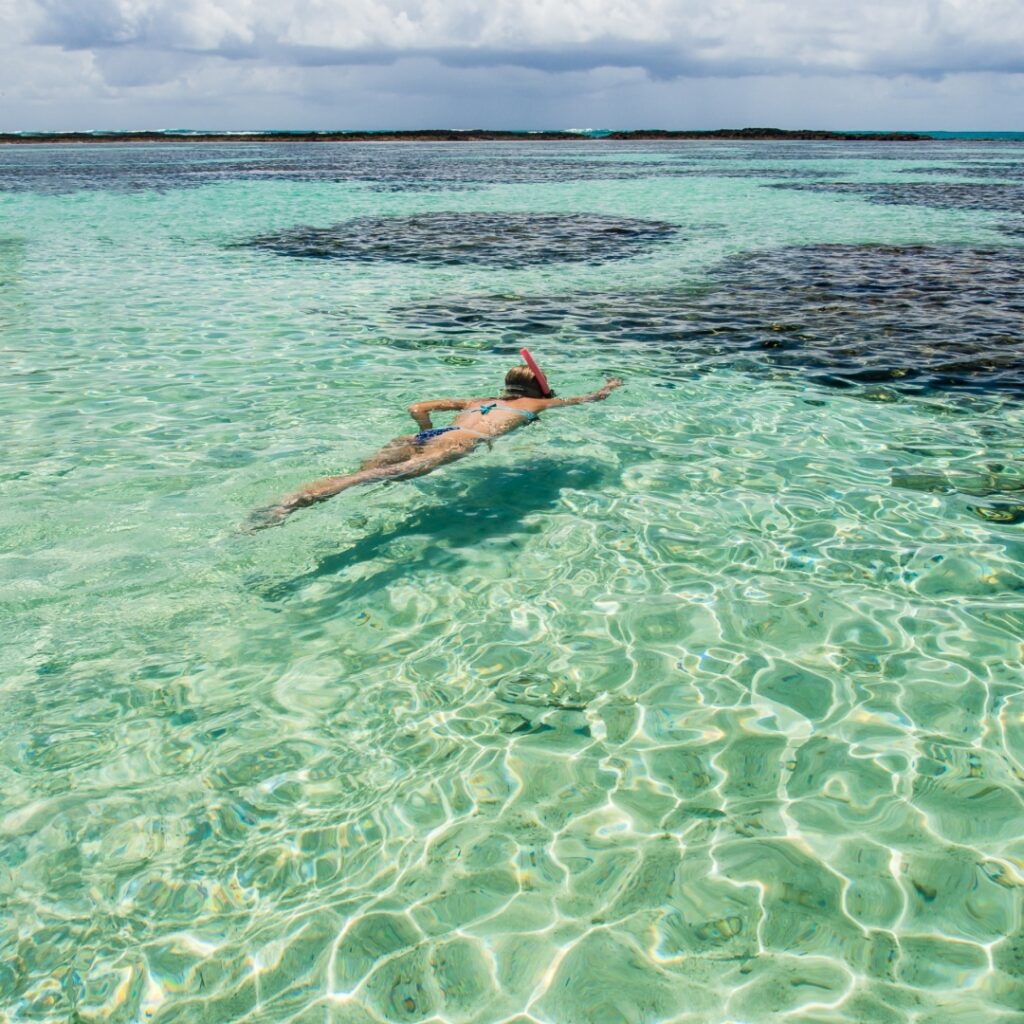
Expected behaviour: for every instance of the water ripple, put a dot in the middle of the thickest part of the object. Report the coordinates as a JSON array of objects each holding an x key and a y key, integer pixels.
[{"x": 702, "y": 704}]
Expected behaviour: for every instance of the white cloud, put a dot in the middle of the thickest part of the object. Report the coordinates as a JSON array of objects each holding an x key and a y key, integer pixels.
[
  {"x": 709, "y": 36},
  {"x": 139, "y": 54}
]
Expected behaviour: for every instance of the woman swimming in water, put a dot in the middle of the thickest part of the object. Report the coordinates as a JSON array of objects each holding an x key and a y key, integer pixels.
[{"x": 479, "y": 421}]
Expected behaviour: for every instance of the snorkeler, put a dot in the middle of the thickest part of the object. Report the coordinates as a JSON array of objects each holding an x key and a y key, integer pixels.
[{"x": 479, "y": 421}]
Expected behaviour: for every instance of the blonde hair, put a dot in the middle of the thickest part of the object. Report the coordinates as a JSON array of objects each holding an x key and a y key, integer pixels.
[{"x": 521, "y": 383}]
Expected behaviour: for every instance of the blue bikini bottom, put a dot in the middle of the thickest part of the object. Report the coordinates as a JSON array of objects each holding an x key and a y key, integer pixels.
[{"x": 428, "y": 435}]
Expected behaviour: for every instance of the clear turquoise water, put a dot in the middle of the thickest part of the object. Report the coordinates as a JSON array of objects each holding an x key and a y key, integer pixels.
[{"x": 703, "y": 704}]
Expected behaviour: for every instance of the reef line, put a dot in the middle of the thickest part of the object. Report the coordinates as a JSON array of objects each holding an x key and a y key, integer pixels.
[{"x": 451, "y": 135}]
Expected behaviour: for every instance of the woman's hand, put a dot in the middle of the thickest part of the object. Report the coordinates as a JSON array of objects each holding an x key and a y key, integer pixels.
[{"x": 421, "y": 415}]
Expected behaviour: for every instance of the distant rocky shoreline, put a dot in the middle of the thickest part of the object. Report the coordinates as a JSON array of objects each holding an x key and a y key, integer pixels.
[{"x": 448, "y": 135}]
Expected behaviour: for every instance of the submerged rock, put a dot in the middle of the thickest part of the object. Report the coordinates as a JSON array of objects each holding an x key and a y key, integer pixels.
[
  {"x": 945, "y": 195},
  {"x": 908, "y": 317},
  {"x": 496, "y": 239}
]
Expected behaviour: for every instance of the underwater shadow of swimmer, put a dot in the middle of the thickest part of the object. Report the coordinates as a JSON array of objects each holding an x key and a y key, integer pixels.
[{"x": 493, "y": 506}]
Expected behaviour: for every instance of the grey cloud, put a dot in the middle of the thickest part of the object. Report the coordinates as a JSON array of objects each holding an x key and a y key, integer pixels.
[
  {"x": 659, "y": 62},
  {"x": 68, "y": 93},
  {"x": 105, "y": 24},
  {"x": 92, "y": 24},
  {"x": 662, "y": 62},
  {"x": 925, "y": 38},
  {"x": 128, "y": 68},
  {"x": 511, "y": 63}
]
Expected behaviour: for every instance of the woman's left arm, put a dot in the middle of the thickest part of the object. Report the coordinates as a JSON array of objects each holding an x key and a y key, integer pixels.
[{"x": 420, "y": 411}]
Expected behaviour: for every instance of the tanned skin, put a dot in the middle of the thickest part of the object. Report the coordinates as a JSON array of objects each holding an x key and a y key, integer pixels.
[{"x": 404, "y": 457}]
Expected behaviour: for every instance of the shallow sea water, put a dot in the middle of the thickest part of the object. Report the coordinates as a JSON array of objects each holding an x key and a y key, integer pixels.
[{"x": 703, "y": 704}]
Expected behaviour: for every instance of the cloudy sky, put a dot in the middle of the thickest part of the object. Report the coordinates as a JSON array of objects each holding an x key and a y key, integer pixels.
[{"x": 930, "y": 64}]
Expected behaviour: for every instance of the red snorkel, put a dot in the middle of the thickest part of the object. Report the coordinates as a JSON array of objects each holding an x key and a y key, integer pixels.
[{"x": 538, "y": 374}]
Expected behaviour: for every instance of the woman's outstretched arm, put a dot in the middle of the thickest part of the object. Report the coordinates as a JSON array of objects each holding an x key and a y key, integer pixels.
[{"x": 595, "y": 396}]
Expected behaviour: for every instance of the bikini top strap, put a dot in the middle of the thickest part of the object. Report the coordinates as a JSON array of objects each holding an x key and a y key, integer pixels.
[
  {"x": 522, "y": 412},
  {"x": 486, "y": 407}
]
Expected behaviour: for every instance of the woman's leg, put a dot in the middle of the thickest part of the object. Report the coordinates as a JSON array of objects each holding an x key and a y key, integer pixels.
[
  {"x": 399, "y": 450},
  {"x": 418, "y": 465},
  {"x": 321, "y": 490}
]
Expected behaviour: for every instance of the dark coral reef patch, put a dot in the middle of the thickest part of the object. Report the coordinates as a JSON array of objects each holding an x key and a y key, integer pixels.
[
  {"x": 944, "y": 195},
  {"x": 913, "y": 317},
  {"x": 495, "y": 239}
]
